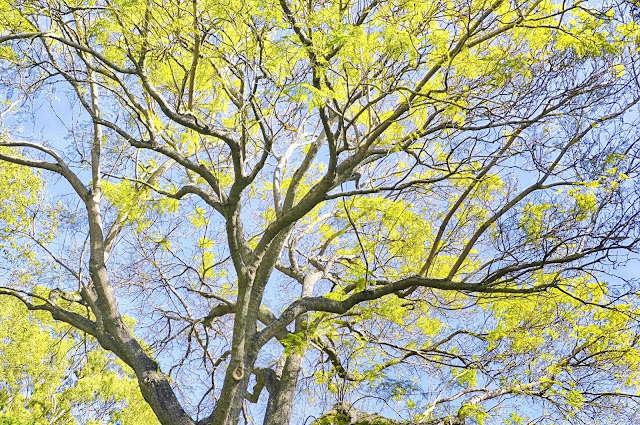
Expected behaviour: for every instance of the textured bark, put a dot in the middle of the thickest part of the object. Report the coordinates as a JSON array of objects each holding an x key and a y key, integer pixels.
[
  {"x": 243, "y": 356},
  {"x": 282, "y": 397},
  {"x": 346, "y": 414}
]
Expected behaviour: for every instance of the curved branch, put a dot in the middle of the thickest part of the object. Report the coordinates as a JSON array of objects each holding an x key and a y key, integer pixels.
[
  {"x": 383, "y": 288},
  {"x": 60, "y": 167}
]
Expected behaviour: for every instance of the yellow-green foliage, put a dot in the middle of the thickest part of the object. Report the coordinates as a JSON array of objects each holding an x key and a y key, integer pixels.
[
  {"x": 47, "y": 377},
  {"x": 20, "y": 197}
]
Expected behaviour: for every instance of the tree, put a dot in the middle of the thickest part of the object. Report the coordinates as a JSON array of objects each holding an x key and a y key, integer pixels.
[
  {"x": 415, "y": 207},
  {"x": 48, "y": 377}
]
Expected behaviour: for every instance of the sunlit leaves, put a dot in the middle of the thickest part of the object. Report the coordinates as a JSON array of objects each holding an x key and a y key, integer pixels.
[
  {"x": 47, "y": 377},
  {"x": 395, "y": 225},
  {"x": 568, "y": 336},
  {"x": 258, "y": 153},
  {"x": 21, "y": 189}
]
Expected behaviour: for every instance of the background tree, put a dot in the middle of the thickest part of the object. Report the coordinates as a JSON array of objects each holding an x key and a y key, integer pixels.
[
  {"x": 51, "y": 376},
  {"x": 417, "y": 207}
]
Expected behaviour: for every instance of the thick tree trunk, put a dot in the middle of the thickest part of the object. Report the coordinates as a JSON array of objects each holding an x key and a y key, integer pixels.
[
  {"x": 281, "y": 398},
  {"x": 243, "y": 357},
  {"x": 229, "y": 405}
]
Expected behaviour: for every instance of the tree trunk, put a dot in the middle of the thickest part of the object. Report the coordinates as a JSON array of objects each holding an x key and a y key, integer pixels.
[
  {"x": 280, "y": 404},
  {"x": 282, "y": 397}
]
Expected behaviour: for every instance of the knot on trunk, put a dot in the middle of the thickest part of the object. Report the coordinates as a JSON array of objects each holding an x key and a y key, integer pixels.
[
  {"x": 152, "y": 377},
  {"x": 238, "y": 373}
]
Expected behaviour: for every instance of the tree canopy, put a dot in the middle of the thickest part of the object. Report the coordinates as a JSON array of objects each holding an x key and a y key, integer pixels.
[{"x": 351, "y": 212}]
